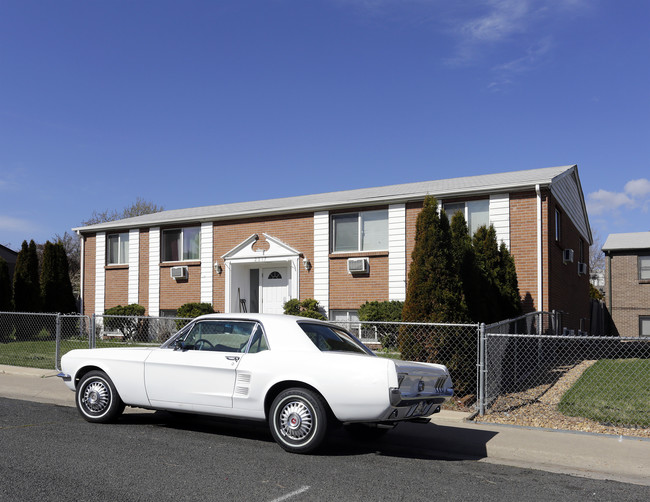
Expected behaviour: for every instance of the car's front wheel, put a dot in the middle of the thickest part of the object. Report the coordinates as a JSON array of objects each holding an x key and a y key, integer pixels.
[
  {"x": 298, "y": 420},
  {"x": 97, "y": 399}
]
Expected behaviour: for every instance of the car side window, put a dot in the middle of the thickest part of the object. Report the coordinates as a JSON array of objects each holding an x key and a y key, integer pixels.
[
  {"x": 329, "y": 338},
  {"x": 220, "y": 335},
  {"x": 258, "y": 341}
]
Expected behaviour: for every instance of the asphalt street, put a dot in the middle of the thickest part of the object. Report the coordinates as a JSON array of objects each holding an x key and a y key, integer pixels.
[{"x": 50, "y": 453}]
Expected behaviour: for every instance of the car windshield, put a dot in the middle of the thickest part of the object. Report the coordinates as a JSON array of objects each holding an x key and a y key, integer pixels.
[
  {"x": 221, "y": 336},
  {"x": 332, "y": 339}
]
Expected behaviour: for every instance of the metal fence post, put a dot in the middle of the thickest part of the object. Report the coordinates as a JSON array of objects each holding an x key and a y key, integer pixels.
[
  {"x": 57, "y": 350},
  {"x": 91, "y": 334},
  {"x": 482, "y": 370}
]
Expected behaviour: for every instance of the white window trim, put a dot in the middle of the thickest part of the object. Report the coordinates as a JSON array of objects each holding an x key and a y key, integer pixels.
[
  {"x": 359, "y": 232},
  {"x": 121, "y": 260}
]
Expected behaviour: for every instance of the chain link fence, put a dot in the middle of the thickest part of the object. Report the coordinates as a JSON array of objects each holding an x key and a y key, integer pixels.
[
  {"x": 39, "y": 340},
  {"x": 531, "y": 370},
  {"x": 454, "y": 345},
  {"x": 536, "y": 372}
]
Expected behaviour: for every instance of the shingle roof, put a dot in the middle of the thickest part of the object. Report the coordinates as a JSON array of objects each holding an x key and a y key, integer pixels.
[
  {"x": 474, "y": 185},
  {"x": 634, "y": 240}
]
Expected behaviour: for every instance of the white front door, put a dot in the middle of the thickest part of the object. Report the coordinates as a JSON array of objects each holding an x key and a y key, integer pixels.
[{"x": 275, "y": 289}]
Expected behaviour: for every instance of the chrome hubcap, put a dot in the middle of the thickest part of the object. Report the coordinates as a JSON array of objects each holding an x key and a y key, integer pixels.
[
  {"x": 96, "y": 397},
  {"x": 296, "y": 420}
]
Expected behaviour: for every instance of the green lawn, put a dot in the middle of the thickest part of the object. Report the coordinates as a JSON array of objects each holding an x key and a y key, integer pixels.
[
  {"x": 612, "y": 391},
  {"x": 41, "y": 354}
]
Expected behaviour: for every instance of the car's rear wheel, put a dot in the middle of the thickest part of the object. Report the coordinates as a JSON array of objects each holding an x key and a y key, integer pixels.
[
  {"x": 298, "y": 420},
  {"x": 97, "y": 399}
]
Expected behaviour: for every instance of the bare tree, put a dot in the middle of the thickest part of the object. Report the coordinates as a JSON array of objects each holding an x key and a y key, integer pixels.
[
  {"x": 596, "y": 255},
  {"x": 138, "y": 208}
]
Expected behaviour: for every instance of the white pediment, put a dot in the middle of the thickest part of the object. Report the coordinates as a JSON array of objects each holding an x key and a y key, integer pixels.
[{"x": 245, "y": 251}]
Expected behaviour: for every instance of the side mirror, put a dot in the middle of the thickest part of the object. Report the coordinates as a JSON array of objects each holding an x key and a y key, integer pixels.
[{"x": 180, "y": 345}]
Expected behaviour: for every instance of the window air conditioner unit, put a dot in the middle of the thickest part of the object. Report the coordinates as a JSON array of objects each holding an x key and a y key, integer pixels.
[
  {"x": 358, "y": 265},
  {"x": 179, "y": 273},
  {"x": 582, "y": 268},
  {"x": 567, "y": 255}
]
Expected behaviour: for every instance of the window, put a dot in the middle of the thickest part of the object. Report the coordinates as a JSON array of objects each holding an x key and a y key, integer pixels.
[
  {"x": 331, "y": 339},
  {"x": 558, "y": 225},
  {"x": 224, "y": 336},
  {"x": 644, "y": 268},
  {"x": 363, "y": 231},
  {"x": 644, "y": 325},
  {"x": 476, "y": 213},
  {"x": 181, "y": 244},
  {"x": 117, "y": 248}
]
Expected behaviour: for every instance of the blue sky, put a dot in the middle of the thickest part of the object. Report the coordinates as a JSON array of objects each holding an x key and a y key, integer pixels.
[{"x": 192, "y": 103}]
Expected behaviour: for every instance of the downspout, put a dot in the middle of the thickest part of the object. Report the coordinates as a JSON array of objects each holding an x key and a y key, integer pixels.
[
  {"x": 609, "y": 282},
  {"x": 540, "y": 299}
]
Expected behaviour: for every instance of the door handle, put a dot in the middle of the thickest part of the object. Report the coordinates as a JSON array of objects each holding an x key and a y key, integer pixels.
[{"x": 232, "y": 358}]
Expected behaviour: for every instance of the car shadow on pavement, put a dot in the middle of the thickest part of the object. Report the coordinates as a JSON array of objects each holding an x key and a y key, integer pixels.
[{"x": 408, "y": 440}]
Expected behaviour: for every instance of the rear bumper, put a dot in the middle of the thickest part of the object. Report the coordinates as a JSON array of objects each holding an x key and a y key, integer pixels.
[{"x": 407, "y": 408}]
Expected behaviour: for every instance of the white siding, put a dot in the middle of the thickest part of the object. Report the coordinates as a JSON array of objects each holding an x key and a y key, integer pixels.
[
  {"x": 397, "y": 252},
  {"x": 206, "y": 262},
  {"x": 321, "y": 259},
  {"x": 500, "y": 217},
  {"x": 567, "y": 192},
  {"x": 134, "y": 265},
  {"x": 154, "y": 271},
  {"x": 100, "y": 272}
]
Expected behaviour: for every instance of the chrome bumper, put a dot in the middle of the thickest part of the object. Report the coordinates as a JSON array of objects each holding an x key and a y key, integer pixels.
[{"x": 65, "y": 377}]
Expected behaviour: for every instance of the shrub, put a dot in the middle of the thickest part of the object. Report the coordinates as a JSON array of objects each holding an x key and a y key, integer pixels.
[
  {"x": 306, "y": 308},
  {"x": 388, "y": 311},
  {"x": 128, "y": 321},
  {"x": 192, "y": 310}
]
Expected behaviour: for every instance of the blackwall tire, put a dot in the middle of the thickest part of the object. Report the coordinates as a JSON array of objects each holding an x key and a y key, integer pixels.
[
  {"x": 97, "y": 399},
  {"x": 298, "y": 420}
]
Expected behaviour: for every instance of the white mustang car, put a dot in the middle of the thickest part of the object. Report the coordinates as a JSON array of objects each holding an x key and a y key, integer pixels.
[{"x": 298, "y": 374}]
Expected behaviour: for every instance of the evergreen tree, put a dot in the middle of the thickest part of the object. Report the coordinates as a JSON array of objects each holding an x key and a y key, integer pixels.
[
  {"x": 466, "y": 267},
  {"x": 5, "y": 287},
  {"x": 56, "y": 288},
  {"x": 508, "y": 284},
  {"x": 434, "y": 291},
  {"x": 27, "y": 291},
  {"x": 487, "y": 255}
]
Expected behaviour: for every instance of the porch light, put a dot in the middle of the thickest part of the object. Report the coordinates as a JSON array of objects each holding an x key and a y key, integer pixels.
[
  {"x": 306, "y": 263},
  {"x": 218, "y": 268}
]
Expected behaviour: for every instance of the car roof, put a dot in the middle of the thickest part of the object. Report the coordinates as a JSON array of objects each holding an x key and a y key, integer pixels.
[{"x": 282, "y": 331}]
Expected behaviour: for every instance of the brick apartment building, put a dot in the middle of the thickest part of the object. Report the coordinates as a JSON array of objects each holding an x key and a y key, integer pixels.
[
  {"x": 627, "y": 282},
  {"x": 341, "y": 248}
]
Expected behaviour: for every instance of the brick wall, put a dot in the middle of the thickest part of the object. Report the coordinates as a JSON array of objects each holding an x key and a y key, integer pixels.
[
  {"x": 523, "y": 246},
  {"x": 175, "y": 293},
  {"x": 117, "y": 286},
  {"x": 567, "y": 291},
  {"x": 630, "y": 296},
  {"x": 296, "y": 231},
  {"x": 349, "y": 291}
]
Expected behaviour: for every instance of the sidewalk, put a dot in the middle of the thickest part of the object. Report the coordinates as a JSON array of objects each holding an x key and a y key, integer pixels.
[{"x": 590, "y": 455}]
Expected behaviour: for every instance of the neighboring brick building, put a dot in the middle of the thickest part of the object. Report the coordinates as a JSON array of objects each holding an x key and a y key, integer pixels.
[
  {"x": 10, "y": 256},
  {"x": 627, "y": 282},
  {"x": 341, "y": 248}
]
